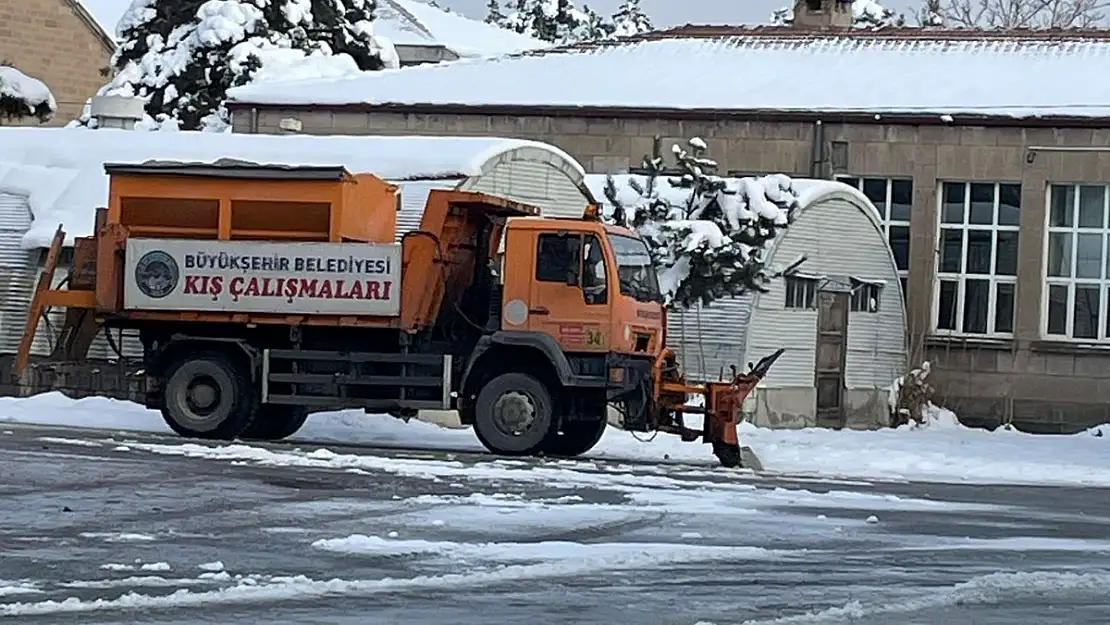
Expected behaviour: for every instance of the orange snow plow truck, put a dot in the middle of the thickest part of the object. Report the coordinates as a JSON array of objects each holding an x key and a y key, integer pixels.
[{"x": 264, "y": 293}]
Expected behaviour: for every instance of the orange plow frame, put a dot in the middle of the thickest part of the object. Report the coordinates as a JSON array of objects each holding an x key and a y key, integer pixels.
[{"x": 721, "y": 410}]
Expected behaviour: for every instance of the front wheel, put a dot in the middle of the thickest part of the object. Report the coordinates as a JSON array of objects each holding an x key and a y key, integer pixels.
[
  {"x": 513, "y": 414},
  {"x": 208, "y": 395},
  {"x": 275, "y": 422},
  {"x": 575, "y": 438}
]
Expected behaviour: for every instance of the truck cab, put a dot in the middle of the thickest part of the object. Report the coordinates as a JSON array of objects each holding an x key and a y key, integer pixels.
[
  {"x": 589, "y": 286},
  {"x": 581, "y": 313}
]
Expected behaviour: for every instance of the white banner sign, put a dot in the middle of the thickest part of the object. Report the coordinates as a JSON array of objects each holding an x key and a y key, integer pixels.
[{"x": 263, "y": 277}]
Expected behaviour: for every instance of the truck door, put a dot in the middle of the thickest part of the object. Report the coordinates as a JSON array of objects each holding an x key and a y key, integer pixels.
[{"x": 571, "y": 291}]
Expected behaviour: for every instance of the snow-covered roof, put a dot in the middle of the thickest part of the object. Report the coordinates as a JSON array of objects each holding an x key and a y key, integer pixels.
[
  {"x": 763, "y": 69},
  {"x": 412, "y": 22},
  {"x": 61, "y": 170}
]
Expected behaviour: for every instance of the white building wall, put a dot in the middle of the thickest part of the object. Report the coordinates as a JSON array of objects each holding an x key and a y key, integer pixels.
[
  {"x": 838, "y": 238},
  {"x": 709, "y": 339},
  {"x": 532, "y": 182}
]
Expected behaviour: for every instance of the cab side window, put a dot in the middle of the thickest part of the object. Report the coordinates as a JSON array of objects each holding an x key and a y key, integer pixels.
[
  {"x": 556, "y": 257},
  {"x": 595, "y": 285}
]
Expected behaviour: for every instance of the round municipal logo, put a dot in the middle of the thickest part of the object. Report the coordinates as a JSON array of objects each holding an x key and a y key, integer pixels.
[{"x": 156, "y": 274}]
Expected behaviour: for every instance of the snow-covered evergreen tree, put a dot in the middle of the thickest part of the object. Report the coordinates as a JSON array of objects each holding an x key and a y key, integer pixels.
[
  {"x": 865, "y": 14},
  {"x": 931, "y": 14},
  {"x": 708, "y": 240},
  {"x": 556, "y": 21},
  {"x": 630, "y": 19},
  {"x": 181, "y": 56},
  {"x": 22, "y": 96},
  {"x": 493, "y": 13}
]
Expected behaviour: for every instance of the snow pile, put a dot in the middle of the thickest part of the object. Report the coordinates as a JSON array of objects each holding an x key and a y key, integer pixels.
[
  {"x": 22, "y": 96},
  {"x": 182, "y": 61},
  {"x": 61, "y": 170},
  {"x": 953, "y": 453},
  {"x": 411, "y": 22},
  {"x": 865, "y": 14},
  {"x": 707, "y": 234}
]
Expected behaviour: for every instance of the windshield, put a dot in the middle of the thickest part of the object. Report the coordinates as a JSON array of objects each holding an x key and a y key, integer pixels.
[{"x": 637, "y": 274}]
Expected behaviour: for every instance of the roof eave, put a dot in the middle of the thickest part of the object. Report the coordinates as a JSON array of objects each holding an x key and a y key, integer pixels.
[
  {"x": 105, "y": 38},
  {"x": 691, "y": 114}
]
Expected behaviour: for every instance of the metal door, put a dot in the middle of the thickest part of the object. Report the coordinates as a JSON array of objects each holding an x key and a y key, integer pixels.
[{"x": 832, "y": 347}]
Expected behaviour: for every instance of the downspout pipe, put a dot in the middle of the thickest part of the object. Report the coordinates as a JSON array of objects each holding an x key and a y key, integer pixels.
[{"x": 817, "y": 151}]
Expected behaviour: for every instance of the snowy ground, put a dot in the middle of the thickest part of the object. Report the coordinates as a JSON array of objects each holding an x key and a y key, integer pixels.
[
  {"x": 942, "y": 452},
  {"x": 100, "y": 527}
]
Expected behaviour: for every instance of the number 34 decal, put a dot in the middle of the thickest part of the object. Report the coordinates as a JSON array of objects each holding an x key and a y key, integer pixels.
[{"x": 594, "y": 338}]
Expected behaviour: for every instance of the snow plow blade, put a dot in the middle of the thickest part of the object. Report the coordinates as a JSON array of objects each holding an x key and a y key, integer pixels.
[{"x": 723, "y": 401}]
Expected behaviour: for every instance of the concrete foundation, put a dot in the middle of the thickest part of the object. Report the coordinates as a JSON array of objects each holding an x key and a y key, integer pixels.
[{"x": 864, "y": 409}]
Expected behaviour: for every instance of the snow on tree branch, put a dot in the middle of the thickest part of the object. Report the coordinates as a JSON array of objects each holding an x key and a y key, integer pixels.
[
  {"x": 865, "y": 14},
  {"x": 556, "y": 21},
  {"x": 181, "y": 56},
  {"x": 629, "y": 19},
  {"x": 562, "y": 22},
  {"x": 22, "y": 96},
  {"x": 1018, "y": 13},
  {"x": 707, "y": 234}
]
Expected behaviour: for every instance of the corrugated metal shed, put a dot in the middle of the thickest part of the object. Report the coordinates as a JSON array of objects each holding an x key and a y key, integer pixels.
[
  {"x": 19, "y": 272},
  {"x": 838, "y": 231}
]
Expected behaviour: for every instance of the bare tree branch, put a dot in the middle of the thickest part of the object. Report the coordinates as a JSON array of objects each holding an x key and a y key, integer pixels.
[{"x": 1014, "y": 13}]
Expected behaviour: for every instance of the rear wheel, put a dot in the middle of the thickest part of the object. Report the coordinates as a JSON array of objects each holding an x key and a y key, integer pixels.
[
  {"x": 275, "y": 422},
  {"x": 208, "y": 395},
  {"x": 575, "y": 438},
  {"x": 513, "y": 414}
]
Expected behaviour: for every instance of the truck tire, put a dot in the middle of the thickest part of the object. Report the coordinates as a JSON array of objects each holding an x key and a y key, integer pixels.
[
  {"x": 513, "y": 415},
  {"x": 274, "y": 422},
  {"x": 575, "y": 439},
  {"x": 209, "y": 396}
]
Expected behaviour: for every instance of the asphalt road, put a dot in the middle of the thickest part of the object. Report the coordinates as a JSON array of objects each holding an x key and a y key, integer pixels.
[{"x": 113, "y": 528}]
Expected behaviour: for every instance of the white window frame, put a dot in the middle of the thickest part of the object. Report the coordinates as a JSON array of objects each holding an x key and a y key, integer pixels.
[
  {"x": 884, "y": 214},
  {"x": 808, "y": 286},
  {"x": 962, "y": 276},
  {"x": 1071, "y": 282}
]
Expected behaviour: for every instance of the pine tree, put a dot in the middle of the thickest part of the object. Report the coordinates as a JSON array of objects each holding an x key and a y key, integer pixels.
[
  {"x": 931, "y": 14},
  {"x": 708, "y": 236},
  {"x": 182, "y": 56},
  {"x": 493, "y": 13},
  {"x": 865, "y": 14},
  {"x": 630, "y": 19},
  {"x": 556, "y": 21}
]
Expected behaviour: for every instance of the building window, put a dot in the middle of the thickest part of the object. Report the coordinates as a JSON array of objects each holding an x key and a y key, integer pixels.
[
  {"x": 894, "y": 199},
  {"x": 865, "y": 296},
  {"x": 977, "y": 268},
  {"x": 557, "y": 257},
  {"x": 1076, "y": 263},
  {"x": 801, "y": 292}
]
